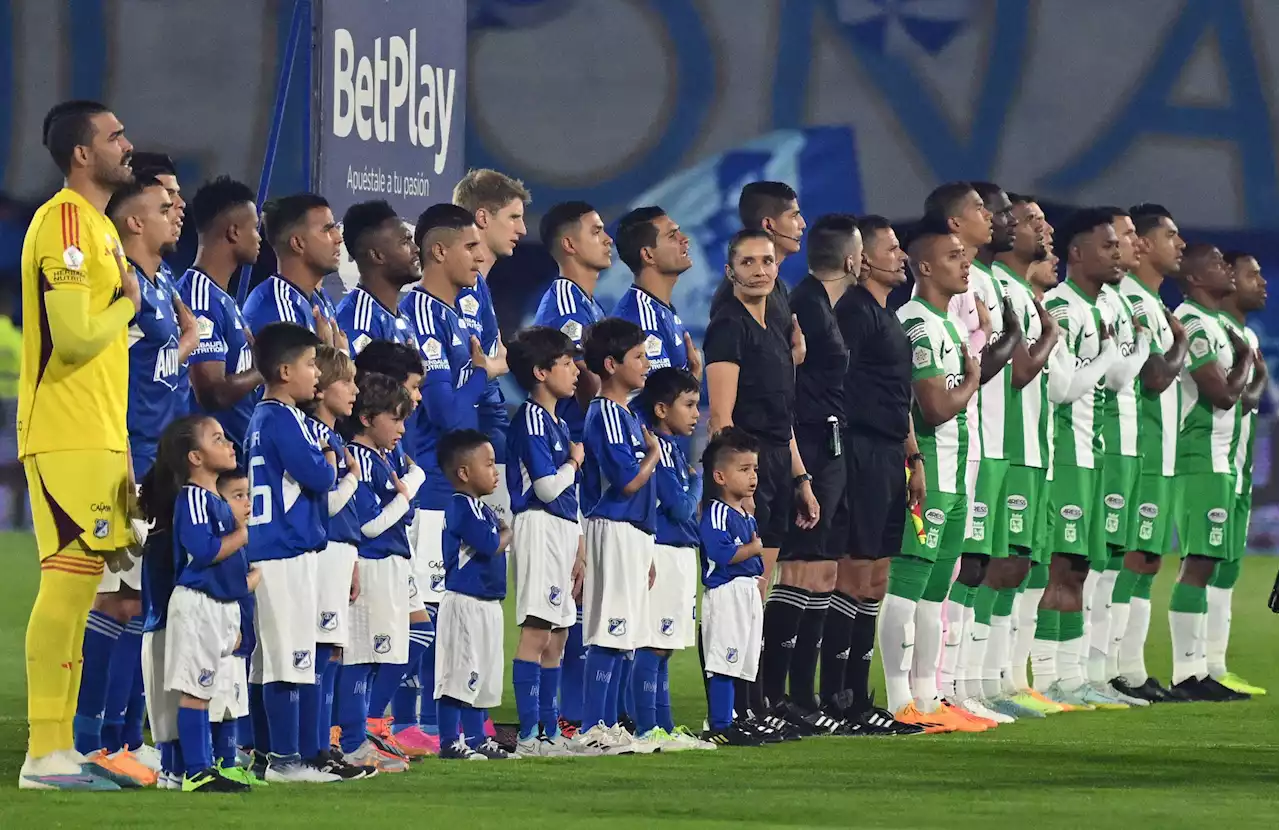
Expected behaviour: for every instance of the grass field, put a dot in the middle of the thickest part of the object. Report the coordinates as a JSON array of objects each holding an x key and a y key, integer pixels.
[{"x": 1189, "y": 765}]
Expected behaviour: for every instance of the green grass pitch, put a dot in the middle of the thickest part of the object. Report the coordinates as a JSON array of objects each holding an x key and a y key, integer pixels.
[{"x": 1172, "y": 766}]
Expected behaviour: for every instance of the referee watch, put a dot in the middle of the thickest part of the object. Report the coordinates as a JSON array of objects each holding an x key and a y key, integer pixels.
[
  {"x": 801, "y": 479},
  {"x": 914, "y": 457}
]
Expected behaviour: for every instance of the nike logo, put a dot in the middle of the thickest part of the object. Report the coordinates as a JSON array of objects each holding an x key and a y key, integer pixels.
[
  {"x": 1087, "y": 334},
  {"x": 1189, "y": 654},
  {"x": 907, "y": 645}
]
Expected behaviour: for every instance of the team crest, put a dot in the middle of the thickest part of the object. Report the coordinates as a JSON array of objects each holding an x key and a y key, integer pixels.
[
  {"x": 437, "y": 583},
  {"x": 101, "y": 528},
  {"x": 731, "y": 655},
  {"x": 667, "y": 626},
  {"x": 328, "y": 620},
  {"x": 381, "y": 643},
  {"x": 617, "y": 626},
  {"x": 413, "y": 587},
  {"x": 555, "y": 596},
  {"x": 206, "y": 678},
  {"x": 469, "y": 306},
  {"x": 473, "y": 681},
  {"x": 235, "y": 692},
  {"x": 302, "y": 659}
]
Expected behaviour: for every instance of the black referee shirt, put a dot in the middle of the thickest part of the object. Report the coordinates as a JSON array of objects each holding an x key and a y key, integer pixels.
[
  {"x": 820, "y": 379},
  {"x": 878, "y": 382},
  {"x": 766, "y": 377},
  {"x": 777, "y": 309}
]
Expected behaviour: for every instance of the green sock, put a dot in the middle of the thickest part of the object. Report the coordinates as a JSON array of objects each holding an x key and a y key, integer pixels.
[
  {"x": 983, "y": 603},
  {"x": 1116, "y": 562},
  {"x": 1070, "y": 626},
  {"x": 961, "y": 594},
  {"x": 1125, "y": 582},
  {"x": 1039, "y": 576},
  {"x": 1225, "y": 575},
  {"x": 908, "y": 576},
  {"x": 1005, "y": 597},
  {"x": 1048, "y": 624},
  {"x": 939, "y": 584},
  {"x": 1142, "y": 588},
  {"x": 1188, "y": 599}
]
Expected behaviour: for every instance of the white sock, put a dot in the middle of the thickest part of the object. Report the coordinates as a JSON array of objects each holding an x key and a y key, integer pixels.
[
  {"x": 979, "y": 645},
  {"x": 1133, "y": 664},
  {"x": 1184, "y": 632},
  {"x": 1070, "y": 667},
  {"x": 1202, "y": 640},
  {"x": 1024, "y": 611},
  {"x": 1099, "y": 638},
  {"x": 1044, "y": 663},
  {"x": 1118, "y": 624},
  {"x": 1090, "y": 589},
  {"x": 896, "y": 636},
  {"x": 927, "y": 654},
  {"x": 964, "y": 659},
  {"x": 996, "y": 672},
  {"x": 955, "y": 634},
  {"x": 1219, "y": 629}
]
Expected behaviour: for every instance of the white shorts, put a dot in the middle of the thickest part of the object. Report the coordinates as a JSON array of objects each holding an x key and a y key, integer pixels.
[
  {"x": 469, "y": 654},
  {"x": 130, "y": 577},
  {"x": 285, "y": 621},
  {"x": 201, "y": 631},
  {"x": 543, "y": 550},
  {"x": 333, "y": 592},
  {"x": 615, "y": 590},
  {"x": 673, "y": 600},
  {"x": 500, "y": 499},
  {"x": 379, "y": 631},
  {"x": 732, "y": 628},
  {"x": 231, "y": 697},
  {"x": 162, "y": 704},
  {"x": 426, "y": 538}
]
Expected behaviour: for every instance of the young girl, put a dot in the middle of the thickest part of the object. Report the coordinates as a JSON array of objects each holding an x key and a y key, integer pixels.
[{"x": 211, "y": 574}]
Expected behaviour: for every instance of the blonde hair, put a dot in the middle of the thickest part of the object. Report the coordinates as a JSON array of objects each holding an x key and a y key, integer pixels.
[
  {"x": 488, "y": 189},
  {"x": 334, "y": 365}
]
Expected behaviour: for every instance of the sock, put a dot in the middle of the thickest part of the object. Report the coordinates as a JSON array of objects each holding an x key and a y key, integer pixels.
[
  {"x": 662, "y": 703},
  {"x": 720, "y": 709},
  {"x": 1025, "y": 609},
  {"x": 282, "y": 704},
  {"x": 997, "y": 672},
  {"x": 804, "y": 657},
  {"x": 837, "y": 638},
  {"x": 386, "y": 679},
  {"x": 407, "y": 696},
  {"x": 620, "y": 685},
  {"x": 258, "y": 719},
  {"x": 136, "y": 713},
  {"x": 644, "y": 681},
  {"x": 1044, "y": 649},
  {"x": 168, "y": 762},
  {"x": 1070, "y": 635},
  {"x": 224, "y": 742},
  {"x": 741, "y": 697},
  {"x": 926, "y": 654},
  {"x": 428, "y": 710},
  {"x": 100, "y": 638},
  {"x": 548, "y": 708},
  {"x": 196, "y": 742},
  {"x": 526, "y": 676},
  {"x": 54, "y": 641},
  {"x": 327, "y": 681},
  {"x": 244, "y": 732},
  {"x": 126, "y": 662},
  {"x": 1218, "y": 628},
  {"x": 862, "y": 646},
  {"x": 309, "y": 707},
  {"x": 756, "y": 701},
  {"x": 449, "y": 719},
  {"x": 1187, "y": 606},
  {"x": 352, "y": 704},
  {"x": 897, "y": 648},
  {"x": 1100, "y": 627},
  {"x": 984, "y": 600},
  {"x": 572, "y": 672},
  {"x": 957, "y": 611},
  {"x": 599, "y": 675},
  {"x": 473, "y": 725},
  {"x": 1121, "y": 595},
  {"x": 1132, "y": 659},
  {"x": 782, "y": 613}
]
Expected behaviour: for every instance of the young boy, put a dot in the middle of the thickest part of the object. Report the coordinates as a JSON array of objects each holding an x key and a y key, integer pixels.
[
  {"x": 732, "y": 614},
  {"x": 542, "y": 470},
  {"x": 469, "y": 624},
  {"x": 620, "y": 508}
]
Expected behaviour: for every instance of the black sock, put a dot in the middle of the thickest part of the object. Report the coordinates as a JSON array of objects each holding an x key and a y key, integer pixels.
[
  {"x": 782, "y": 615},
  {"x": 862, "y": 646},
  {"x": 741, "y": 697},
  {"x": 837, "y": 634},
  {"x": 804, "y": 662},
  {"x": 755, "y": 694}
]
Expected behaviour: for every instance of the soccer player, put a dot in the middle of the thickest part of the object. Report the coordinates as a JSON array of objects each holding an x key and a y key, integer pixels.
[
  {"x": 221, "y": 374},
  {"x": 159, "y": 166},
  {"x": 387, "y": 258},
  {"x": 469, "y": 659},
  {"x": 72, "y": 430},
  {"x": 944, "y": 376},
  {"x": 1212, "y": 382},
  {"x": 774, "y": 208},
  {"x": 1160, "y": 253}
]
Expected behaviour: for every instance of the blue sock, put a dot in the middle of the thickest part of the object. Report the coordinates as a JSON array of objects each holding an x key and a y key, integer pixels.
[
  {"x": 662, "y": 703},
  {"x": 386, "y": 679},
  {"x": 309, "y": 706},
  {"x": 720, "y": 703},
  {"x": 626, "y": 702},
  {"x": 196, "y": 742},
  {"x": 224, "y": 743},
  {"x": 101, "y": 634},
  {"x": 328, "y": 682},
  {"x": 258, "y": 719},
  {"x": 136, "y": 714},
  {"x": 600, "y": 672},
  {"x": 473, "y": 725},
  {"x": 168, "y": 761},
  {"x": 525, "y": 677},
  {"x": 405, "y": 699},
  {"x": 548, "y": 714},
  {"x": 244, "y": 732},
  {"x": 613, "y": 703},
  {"x": 427, "y": 685},
  {"x": 573, "y": 673},
  {"x": 126, "y": 663},
  {"x": 282, "y": 704},
  {"x": 353, "y": 705},
  {"x": 449, "y": 720},
  {"x": 644, "y": 680}
]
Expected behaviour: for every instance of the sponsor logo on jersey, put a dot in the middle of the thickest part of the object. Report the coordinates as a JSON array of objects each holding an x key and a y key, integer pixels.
[
  {"x": 206, "y": 678},
  {"x": 979, "y": 509},
  {"x": 617, "y": 626},
  {"x": 1071, "y": 512},
  {"x": 1147, "y": 510},
  {"x": 731, "y": 655},
  {"x": 1217, "y": 515},
  {"x": 572, "y": 329},
  {"x": 469, "y": 305},
  {"x": 432, "y": 348},
  {"x": 1016, "y": 502},
  {"x": 381, "y": 643},
  {"x": 362, "y": 341},
  {"x": 935, "y": 516},
  {"x": 1114, "y": 500},
  {"x": 652, "y": 345}
]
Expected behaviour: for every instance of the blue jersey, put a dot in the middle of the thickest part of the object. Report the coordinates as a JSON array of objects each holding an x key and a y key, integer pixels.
[
  {"x": 664, "y": 333},
  {"x": 200, "y": 519},
  {"x": 472, "y": 563},
  {"x": 450, "y": 389},
  {"x": 276, "y": 300},
  {"x": 155, "y": 373},
  {"x": 567, "y": 308},
  {"x": 377, "y": 490},
  {"x": 157, "y": 579},
  {"x": 722, "y": 531},
  {"x": 363, "y": 320},
  {"x": 342, "y": 526},
  {"x": 679, "y": 494},
  {"x": 614, "y": 445},
  {"x": 537, "y": 446},
  {"x": 475, "y": 308},
  {"x": 222, "y": 337},
  {"x": 289, "y": 482}
]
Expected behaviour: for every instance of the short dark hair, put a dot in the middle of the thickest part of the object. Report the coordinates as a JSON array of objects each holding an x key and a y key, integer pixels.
[
  {"x": 611, "y": 337},
  {"x": 361, "y": 219},
  {"x": 1021, "y": 198},
  {"x": 1147, "y": 216},
  {"x": 455, "y": 446},
  {"x": 742, "y": 236},
  {"x": 67, "y": 126},
  {"x": 443, "y": 215},
  {"x": 215, "y": 198},
  {"x": 1232, "y": 257},
  {"x": 537, "y": 347},
  {"x": 387, "y": 357},
  {"x": 232, "y": 475},
  {"x": 945, "y": 199},
  {"x": 279, "y": 344},
  {"x": 636, "y": 231},
  {"x": 726, "y": 442},
  {"x": 281, "y": 216},
  {"x": 929, "y": 226},
  {"x": 763, "y": 200},
  {"x": 378, "y": 394},
  {"x": 663, "y": 386},
  {"x": 987, "y": 190},
  {"x": 872, "y": 224},
  {"x": 150, "y": 165},
  {"x": 557, "y": 220},
  {"x": 122, "y": 197},
  {"x": 829, "y": 240},
  {"x": 1081, "y": 222},
  {"x": 1115, "y": 212}
]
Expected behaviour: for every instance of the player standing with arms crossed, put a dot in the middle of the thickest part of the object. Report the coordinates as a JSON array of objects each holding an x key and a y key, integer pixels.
[{"x": 384, "y": 252}]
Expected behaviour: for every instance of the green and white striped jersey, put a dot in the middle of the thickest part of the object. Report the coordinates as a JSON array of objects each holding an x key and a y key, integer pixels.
[
  {"x": 1160, "y": 414},
  {"x": 1027, "y": 423},
  {"x": 1076, "y": 371},
  {"x": 993, "y": 396},
  {"x": 1208, "y": 434},
  {"x": 936, "y": 350},
  {"x": 1242, "y": 454},
  {"x": 1120, "y": 417}
]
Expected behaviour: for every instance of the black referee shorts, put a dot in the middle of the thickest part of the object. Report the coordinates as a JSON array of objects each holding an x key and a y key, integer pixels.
[
  {"x": 826, "y": 541},
  {"x": 773, "y": 494},
  {"x": 877, "y": 496}
]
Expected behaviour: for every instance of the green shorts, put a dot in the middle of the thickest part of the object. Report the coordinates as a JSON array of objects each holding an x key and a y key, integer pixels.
[
  {"x": 945, "y": 515},
  {"x": 1206, "y": 505},
  {"x": 989, "y": 532},
  {"x": 1240, "y": 522},
  {"x": 1025, "y": 491},
  {"x": 1119, "y": 488},
  {"x": 1151, "y": 530},
  {"x": 1073, "y": 510}
]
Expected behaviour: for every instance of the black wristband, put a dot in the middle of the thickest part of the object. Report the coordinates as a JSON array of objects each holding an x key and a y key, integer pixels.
[
  {"x": 914, "y": 457},
  {"x": 801, "y": 479}
]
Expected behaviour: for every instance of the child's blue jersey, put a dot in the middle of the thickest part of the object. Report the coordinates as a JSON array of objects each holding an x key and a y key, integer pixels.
[
  {"x": 722, "y": 531},
  {"x": 664, "y": 332},
  {"x": 568, "y": 309},
  {"x": 475, "y": 308},
  {"x": 472, "y": 563},
  {"x": 450, "y": 389},
  {"x": 200, "y": 520},
  {"x": 614, "y": 445},
  {"x": 157, "y": 579},
  {"x": 155, "y": 374},
  {"x": 376, "y": 491},
  {"x": 679, "y": 494},
  {"x": 363, "y": 320},
  {"x": 342, "y": 526},
  {"x": 222, "y": 330},
  {"x": 276, "y": 300},
  {"x": 537, "y": 446},
  {"x": 289, "y": 482}
]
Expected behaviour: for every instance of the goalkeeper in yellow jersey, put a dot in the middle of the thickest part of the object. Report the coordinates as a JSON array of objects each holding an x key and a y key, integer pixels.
[{"x": 77, "y": 298}]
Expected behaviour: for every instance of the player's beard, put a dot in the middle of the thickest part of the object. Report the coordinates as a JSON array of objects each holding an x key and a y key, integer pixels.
[{"x": 113, "y": 176}]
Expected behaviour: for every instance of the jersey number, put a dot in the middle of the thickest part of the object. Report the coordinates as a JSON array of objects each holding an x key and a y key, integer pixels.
[{"x": 260, "y": 495}]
